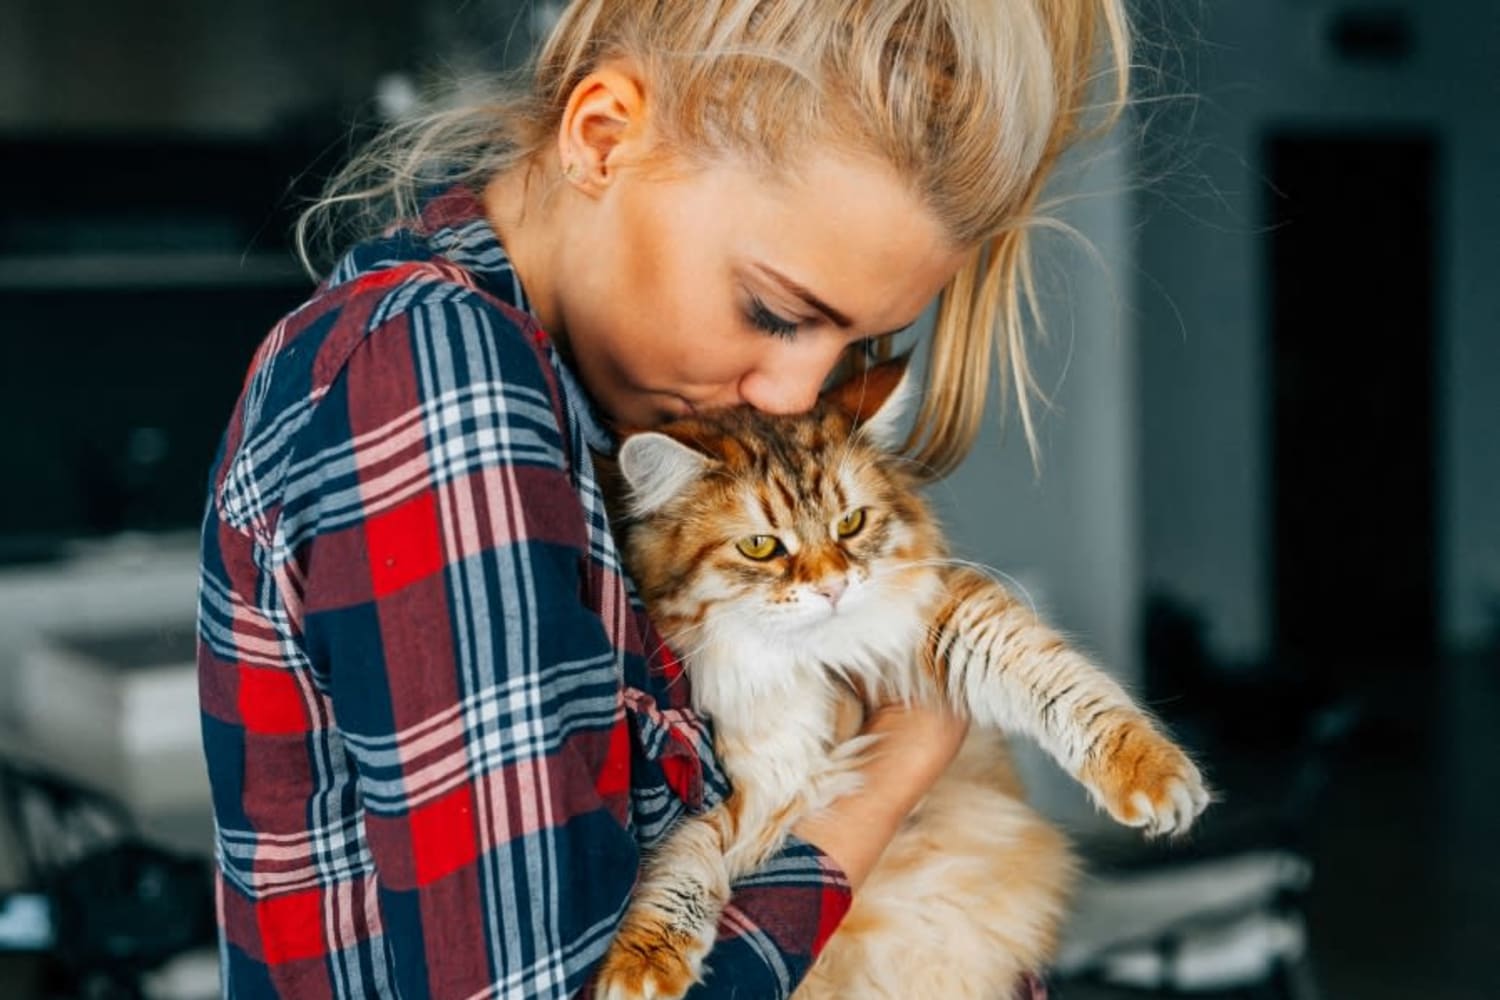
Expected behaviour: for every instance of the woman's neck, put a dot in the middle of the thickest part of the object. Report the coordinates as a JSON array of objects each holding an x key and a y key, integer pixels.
[{"x": 525, "y": 215}]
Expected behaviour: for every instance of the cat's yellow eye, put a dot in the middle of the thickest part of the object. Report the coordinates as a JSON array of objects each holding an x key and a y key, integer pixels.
[
  {"x": 850, "y": 523},
  {"x": 759, "y": 547}
]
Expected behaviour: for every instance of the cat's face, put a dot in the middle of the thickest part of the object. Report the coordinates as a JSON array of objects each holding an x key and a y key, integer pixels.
[{"x": 802, "y": 530}]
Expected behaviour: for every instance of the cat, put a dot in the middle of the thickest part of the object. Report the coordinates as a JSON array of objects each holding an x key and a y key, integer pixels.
[{"x": 792, "y": 565}]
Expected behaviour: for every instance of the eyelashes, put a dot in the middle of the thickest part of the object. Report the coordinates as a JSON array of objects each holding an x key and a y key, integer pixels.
[{"x": 762, "y": 318}]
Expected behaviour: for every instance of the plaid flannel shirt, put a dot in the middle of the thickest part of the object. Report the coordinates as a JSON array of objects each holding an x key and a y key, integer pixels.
[{"x": 440, "y": 730}]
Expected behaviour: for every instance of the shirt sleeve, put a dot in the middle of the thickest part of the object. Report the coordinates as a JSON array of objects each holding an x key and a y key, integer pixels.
[
  {"x": 442, "y": 549},
  {"x": 775, "y": 925}
]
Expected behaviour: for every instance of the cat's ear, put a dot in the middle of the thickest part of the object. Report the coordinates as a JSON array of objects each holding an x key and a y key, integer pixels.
[
  {"x": 877, "y": 398},
  {"x": 657, "y": 468}
]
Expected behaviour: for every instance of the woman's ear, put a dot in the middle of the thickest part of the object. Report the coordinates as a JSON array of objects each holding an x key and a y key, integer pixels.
[{"x": 603, "y": 127}]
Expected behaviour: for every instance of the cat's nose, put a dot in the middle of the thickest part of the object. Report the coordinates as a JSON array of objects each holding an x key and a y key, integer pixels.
[{"x": 833, "y": 589}]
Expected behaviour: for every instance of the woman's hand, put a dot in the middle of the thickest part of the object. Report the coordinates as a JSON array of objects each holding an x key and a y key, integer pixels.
[{"x": 917, "y": 744}]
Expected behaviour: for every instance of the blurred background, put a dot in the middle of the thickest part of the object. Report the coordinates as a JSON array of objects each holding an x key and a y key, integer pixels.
[{"x": 1268, "y": 497}]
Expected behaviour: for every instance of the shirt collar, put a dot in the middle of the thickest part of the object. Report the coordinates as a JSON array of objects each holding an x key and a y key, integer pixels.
[{"x": 456, "y": 228}]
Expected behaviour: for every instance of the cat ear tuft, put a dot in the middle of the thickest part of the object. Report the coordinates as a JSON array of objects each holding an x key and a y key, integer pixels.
[
  {"x": 878, "y": 398},
  {"x": 658, "y": 468}
]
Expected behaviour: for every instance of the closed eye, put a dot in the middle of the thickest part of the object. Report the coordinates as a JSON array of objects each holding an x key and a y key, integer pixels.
[{"x": 763, "y": 319}]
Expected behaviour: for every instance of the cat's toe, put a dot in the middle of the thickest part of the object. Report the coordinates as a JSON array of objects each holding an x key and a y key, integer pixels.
[
  {"x": 1181, "y": 801},
  {"x": 1151, "y": 784},
  {"x": 1172, "y": 813},
  {"x": 1191, "y": 798},
  {"x": 648, "y": 964}
]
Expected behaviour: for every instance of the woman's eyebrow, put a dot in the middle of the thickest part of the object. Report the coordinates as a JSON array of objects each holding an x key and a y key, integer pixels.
[{"x": 803, "y": 293}]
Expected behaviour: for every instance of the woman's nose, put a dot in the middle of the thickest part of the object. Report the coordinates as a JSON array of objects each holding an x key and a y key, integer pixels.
[{"x": 789, "y": 380}]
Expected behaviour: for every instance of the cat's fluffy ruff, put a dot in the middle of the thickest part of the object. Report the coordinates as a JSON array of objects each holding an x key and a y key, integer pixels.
[{"x": 771, "y": 633}]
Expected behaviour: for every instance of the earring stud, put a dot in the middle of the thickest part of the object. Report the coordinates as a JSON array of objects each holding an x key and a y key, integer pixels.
[{"x": 572, "y": 171}]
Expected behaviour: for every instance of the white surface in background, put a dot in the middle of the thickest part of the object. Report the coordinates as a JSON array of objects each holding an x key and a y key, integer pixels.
[
  {"x": 70, "y": 700},
  {"x": 1123, "y": 916},
  {"x": 126, "y": 583},
  {"x": 1245, "y": 951}
]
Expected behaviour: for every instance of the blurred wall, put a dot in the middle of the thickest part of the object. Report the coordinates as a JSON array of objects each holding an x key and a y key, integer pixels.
[
  {"x": 1203, "y": 291},
  {"x": 1070, "y": 532}
]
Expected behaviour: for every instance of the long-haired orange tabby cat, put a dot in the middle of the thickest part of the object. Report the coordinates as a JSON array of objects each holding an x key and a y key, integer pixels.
[{"x": 790, "y": 562}]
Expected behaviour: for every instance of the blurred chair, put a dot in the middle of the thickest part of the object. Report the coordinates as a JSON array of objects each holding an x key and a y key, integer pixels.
[{"x": 107, "y": 908}]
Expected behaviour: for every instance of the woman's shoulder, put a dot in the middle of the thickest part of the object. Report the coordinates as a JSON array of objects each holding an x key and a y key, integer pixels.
[
  {"x": 444, "y": 262},
  {"x": 399, "y": 282},
  {"x": 400, "y": 337},
  {"x": 397, "y": 297}
]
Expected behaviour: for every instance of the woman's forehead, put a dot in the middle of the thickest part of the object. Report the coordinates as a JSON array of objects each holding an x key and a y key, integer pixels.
[
  {"x": 842, "y": 233},
  {"x": 851, "y": 232}
]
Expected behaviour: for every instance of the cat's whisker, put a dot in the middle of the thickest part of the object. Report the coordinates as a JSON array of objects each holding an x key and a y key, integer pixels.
[
  {"x": 990, "y": 571},
  {"x": 686, "y": 656},
  {"x": 682, "y": 654},
  {"x": 666, "y": 642},
  {"x": 841, "y": 463}
]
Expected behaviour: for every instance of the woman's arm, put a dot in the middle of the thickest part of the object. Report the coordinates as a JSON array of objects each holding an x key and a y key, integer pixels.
[
  {"x": 765, "y": 941},
  {"x": 434, "y": 801},
  {"x": 779, "y": 918},
  {"x": 917, "y": 744}
]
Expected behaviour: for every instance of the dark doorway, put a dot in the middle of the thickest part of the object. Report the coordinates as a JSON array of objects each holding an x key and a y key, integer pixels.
[{"x": 1352, "y": 332}]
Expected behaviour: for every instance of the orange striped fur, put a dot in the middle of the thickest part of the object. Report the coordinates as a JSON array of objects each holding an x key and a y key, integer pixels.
[{"x": 785, "y": 650}]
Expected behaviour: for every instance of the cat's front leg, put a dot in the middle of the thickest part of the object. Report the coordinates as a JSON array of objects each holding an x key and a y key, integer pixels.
[
  {"x": 673, "y": 916},
  {"x": 1008, "y": 669}
]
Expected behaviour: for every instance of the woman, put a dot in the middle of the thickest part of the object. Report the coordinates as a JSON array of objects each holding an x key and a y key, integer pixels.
[{"x": 439, "y": 730}]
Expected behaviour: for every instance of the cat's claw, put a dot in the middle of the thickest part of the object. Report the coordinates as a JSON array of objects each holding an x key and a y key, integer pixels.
[{"x": 1149, "y": 783}]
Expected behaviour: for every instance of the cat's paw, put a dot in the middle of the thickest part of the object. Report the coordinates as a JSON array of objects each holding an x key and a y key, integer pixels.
[
  {"x": 650, "y": 960},
  {"x": 1144, "y": 779}
]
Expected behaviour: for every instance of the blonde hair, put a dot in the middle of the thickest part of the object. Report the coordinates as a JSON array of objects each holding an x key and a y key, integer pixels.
[{"x": 971, "y": 101}]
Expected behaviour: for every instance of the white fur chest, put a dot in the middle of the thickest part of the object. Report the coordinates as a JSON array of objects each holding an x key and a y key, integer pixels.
[{"x": 772, "y": 697}]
